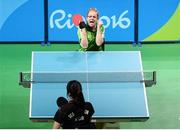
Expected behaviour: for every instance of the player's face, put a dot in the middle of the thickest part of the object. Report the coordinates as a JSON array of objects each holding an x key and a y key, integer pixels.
[{"x": 92, "y": 18}]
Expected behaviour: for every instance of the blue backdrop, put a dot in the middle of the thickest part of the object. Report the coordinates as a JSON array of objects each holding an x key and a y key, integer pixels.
[
  {"x": 154, "y": 14},
  {"x": 21, "y": 20},
  {"x": 117, "y": 16}
]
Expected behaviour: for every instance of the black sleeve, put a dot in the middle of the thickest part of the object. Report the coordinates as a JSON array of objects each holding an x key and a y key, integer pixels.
[
  {"x": 89, "y": 106},
  {"x": 58, "y": 117}
]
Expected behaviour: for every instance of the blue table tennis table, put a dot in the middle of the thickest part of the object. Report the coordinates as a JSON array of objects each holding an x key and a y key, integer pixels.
[{"x": 112, "y": 101}]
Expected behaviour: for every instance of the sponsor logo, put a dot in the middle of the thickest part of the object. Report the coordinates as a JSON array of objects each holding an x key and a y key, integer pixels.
[{"x": 64, "y": 20}]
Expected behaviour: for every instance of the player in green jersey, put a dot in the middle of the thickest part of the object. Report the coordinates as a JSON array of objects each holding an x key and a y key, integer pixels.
[{"x": 91, "y": 34}]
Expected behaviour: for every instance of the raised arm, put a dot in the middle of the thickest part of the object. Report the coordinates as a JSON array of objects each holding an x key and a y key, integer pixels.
[
  {"x": 83, "y": 41},
  {"x": 100, "y": 34},
  {"x": 83, "y": 35}
]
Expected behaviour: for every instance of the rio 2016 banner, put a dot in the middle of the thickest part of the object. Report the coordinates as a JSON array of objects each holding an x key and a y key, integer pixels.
[
  {"x": 21, "y": 20},
  {"x": 116, "y": 15},
  {"x": 159, "y": 20}
]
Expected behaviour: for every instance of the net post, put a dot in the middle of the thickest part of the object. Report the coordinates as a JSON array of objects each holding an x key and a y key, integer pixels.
[
  {"x": 150, "y": 83},
  {"x": 154, "y": 77},
  {"x": 25, "y": 84},
  {"x": 20, "y": 78}
]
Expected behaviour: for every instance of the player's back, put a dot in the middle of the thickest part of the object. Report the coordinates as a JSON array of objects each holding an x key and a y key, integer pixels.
[{"x": 76, "y": 117}]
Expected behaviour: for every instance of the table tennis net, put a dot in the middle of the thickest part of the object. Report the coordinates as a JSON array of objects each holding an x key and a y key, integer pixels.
[{"x": 26, "y": 78}]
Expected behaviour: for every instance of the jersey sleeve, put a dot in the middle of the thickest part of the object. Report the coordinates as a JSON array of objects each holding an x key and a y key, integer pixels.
[
  {"x": 89, "y": 106},
  {"x": 58, "y": 117}
]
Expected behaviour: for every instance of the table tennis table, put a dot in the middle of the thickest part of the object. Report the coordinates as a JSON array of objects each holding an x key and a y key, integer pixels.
[{"x": 112, "y": 101}]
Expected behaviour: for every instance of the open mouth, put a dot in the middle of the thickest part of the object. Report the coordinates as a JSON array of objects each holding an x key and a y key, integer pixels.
[{"x": 91, "y": 21}]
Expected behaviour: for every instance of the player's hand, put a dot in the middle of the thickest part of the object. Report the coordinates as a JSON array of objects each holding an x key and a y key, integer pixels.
[
  {"x": 82, "y": 25},
  {"x": 99, "y": 23}
]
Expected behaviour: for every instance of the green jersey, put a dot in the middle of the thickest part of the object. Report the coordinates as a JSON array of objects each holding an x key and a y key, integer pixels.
[{"x": 91, "y": 37}]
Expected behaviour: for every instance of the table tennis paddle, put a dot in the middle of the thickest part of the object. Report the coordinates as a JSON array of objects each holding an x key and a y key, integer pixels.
[
  {"x": 61, "y": 101},
  {"x": 77, "y": 18}
]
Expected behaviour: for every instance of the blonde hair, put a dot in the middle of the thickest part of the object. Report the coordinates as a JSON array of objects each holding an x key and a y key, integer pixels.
[{"x": 93, "y": 9}]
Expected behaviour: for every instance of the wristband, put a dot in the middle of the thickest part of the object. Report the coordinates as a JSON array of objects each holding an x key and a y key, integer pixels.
[{"x": 82, "y": 25}]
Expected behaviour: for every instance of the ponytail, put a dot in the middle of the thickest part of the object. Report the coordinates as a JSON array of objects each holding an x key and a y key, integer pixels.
[
  {"x": 80, "y": 99},
  {"x": 74, "y": 90}
]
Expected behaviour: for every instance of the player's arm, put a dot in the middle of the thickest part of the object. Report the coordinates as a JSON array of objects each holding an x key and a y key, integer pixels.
[
  {"x": 58, "y": 117},
  {"x": 83, "y": 35},
  {"x": 56, "y": 125},
  {"x": 100, "y": 34}
]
